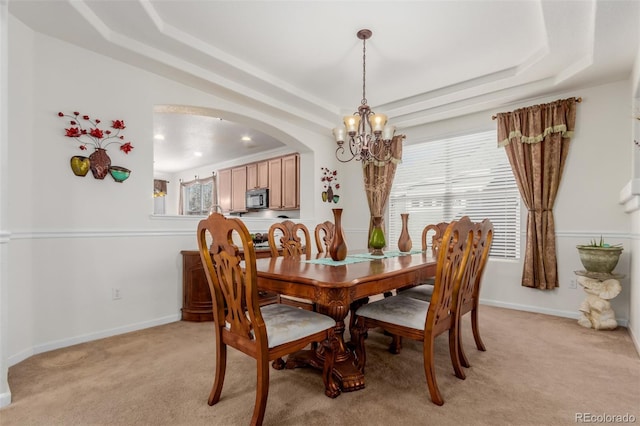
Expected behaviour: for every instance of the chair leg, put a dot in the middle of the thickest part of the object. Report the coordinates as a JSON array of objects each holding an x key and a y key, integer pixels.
[
  {"x": 429, "y": 371},
  {"x": 462, "y": 356},
  {"x": 221, "y": 366},
  {"x": 262, "y": 392},
  {"x": 454, "y": 353},
  {"x": 396, "y": 344},
  {"x": 476, "y": 330},
  {"x": 331, "y": 346},
  {"x": 358, "y": 334}
]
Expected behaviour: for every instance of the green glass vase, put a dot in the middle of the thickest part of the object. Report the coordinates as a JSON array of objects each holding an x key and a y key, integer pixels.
[{"x": 376, "y": 238}]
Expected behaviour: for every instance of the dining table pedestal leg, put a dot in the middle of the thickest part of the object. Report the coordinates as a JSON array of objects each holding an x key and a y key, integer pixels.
[{"x": 345, "y": 371}]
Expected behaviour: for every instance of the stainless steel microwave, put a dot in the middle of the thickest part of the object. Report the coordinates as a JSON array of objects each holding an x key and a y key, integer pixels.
[{"x": 257, "y": 198}]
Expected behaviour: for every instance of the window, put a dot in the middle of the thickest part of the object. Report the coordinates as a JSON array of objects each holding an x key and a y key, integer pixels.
[
  {"x": 197, "y": 196},
  {"x": 444, "y": 180}
]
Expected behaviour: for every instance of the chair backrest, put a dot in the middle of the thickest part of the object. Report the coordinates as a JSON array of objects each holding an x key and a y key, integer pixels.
[
  {"x": 324, "y": 234},
  {"x": 470, "y": 285},
  {"x": 232, "y": 282},
  {"x": 436, "y": 238},
  {"x": 453, "y": 254},
  {"x": 290, "y": 241}
]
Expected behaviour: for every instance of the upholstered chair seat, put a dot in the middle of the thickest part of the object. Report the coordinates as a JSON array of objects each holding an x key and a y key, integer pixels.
[
  {"x": 286, "y": 323},
  {"x": 403, "y": 311}
]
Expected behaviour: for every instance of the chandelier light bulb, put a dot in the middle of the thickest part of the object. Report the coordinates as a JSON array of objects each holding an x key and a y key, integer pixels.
[
  {"x": 352, "y": 122},
  {"x": 377, "y": 122},
  {"x": 388, "y": 132}
]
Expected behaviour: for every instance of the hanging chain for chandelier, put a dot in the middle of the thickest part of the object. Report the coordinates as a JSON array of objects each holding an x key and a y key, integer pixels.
[{"x": 369, "y": 136}]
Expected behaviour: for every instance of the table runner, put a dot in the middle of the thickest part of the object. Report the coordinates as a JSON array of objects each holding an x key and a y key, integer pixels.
[{"x": 359, "y": 257}]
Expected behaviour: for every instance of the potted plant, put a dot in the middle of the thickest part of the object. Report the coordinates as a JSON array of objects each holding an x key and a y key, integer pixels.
[{"x": 598, "y": 256}]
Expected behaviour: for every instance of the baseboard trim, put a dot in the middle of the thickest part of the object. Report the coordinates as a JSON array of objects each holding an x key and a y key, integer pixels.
[
  {"x": 5, "y": 399},
  {"x": 63, "y": 343},
  {"x": 634, "y": 339},
  {"x": 538, "y": 310}
]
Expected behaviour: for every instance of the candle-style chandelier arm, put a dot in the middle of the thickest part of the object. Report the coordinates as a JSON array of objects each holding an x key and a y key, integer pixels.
[{"x": 368, "y": 134}]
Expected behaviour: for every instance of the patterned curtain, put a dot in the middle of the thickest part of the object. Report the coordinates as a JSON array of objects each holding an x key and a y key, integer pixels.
[
  {"x": 378, "y": 179},
  {"x": 536, "y": 140},
  {"x": 159, "y": 188}
]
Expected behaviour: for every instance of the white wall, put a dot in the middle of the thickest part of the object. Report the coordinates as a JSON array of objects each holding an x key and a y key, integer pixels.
[{"x": 73, "y": 239}]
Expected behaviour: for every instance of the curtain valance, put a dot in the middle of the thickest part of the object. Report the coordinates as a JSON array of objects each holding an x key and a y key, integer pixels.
[{"x": 532, "y": 124}]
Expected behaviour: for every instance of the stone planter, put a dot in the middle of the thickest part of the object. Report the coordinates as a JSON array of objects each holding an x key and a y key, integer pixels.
[{"x": 599, "y": 259}]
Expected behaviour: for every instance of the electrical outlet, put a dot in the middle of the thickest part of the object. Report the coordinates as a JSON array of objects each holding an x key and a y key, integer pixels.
[
  {"x": 116, "y": 294},
  {"x": 572, "y": 284}
]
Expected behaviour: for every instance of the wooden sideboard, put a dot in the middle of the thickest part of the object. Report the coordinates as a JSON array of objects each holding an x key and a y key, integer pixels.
[{"x": 196, "y": 297}]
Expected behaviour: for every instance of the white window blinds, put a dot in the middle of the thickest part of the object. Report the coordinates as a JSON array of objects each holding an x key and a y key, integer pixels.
[{"x": 444, "y": 180}]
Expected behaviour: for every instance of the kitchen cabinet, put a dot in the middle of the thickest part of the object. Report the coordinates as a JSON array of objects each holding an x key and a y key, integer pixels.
[
  {"x": 258, "y": 175},
  {"x": 284, "y": 181},
  {"x": 224, "y": 190},
  {"x": 280, "y": 175},
  {"x": 238, "y": 189},
  {"x": 290, "y": 182},
  {"x": 275, "y": 183}
]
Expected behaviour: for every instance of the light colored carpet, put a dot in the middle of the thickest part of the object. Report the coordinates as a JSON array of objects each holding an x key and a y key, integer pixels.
[{"x": 538, "y": 370}]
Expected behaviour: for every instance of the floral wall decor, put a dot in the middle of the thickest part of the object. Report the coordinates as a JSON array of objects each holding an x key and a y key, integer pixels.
[
  {"x": 87, "y": 131},
  {"x": 330, "y": 183}
]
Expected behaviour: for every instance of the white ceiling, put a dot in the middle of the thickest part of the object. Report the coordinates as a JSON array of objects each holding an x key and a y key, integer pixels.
[{"x": 426, "y": 61}]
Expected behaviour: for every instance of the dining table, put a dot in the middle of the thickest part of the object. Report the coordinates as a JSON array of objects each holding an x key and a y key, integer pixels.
[{"x": 335, "y": 287}]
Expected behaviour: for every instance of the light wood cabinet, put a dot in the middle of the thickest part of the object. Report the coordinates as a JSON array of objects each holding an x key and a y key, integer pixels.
[
  {"x": 275, "y": 183},
  {"x": 224, "y": 190},
  {"x": 238, "y": 189},
  {"x": 258, "y": 175},
  {"x": 263, "y": 174},
  {"x": 290, "y": 182},
  {"x": 281, "y": 175}
]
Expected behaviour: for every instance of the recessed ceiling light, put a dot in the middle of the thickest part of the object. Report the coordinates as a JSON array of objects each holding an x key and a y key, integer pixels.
[
  {"x": 159, "y": 137},
  {"x": 197, "y": 154},
  {"x": 246, "y": 138}
]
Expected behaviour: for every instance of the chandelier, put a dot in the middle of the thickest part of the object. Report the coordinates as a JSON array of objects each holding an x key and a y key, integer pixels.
[{"x": 369, "y": 138}]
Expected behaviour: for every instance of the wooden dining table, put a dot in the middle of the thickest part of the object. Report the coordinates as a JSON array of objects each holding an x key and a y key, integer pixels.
[{"x": 335, "y": 288}]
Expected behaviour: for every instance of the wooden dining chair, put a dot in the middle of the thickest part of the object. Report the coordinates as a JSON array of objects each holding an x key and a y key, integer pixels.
[
  {"x": 324, "y": 235},
  {"x": 469, "y": 290},
  {"x": 470, "y": 286},
  {"x": 263, "y": 333},
  {"x": 294, "y": 240},
  {"x": 419, "y": 320}
]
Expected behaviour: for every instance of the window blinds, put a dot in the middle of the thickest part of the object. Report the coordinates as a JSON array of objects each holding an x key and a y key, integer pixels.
[{"x": 443, "y": 180}]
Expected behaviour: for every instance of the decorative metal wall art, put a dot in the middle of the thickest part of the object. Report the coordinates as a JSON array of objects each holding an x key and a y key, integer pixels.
[
  {"x": 91, "y": 134},
  {"x": 330, "y": 183}
]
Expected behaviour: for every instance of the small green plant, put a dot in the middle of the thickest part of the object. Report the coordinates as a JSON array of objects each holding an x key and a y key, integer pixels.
[{"x": 601, "y": 243}]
